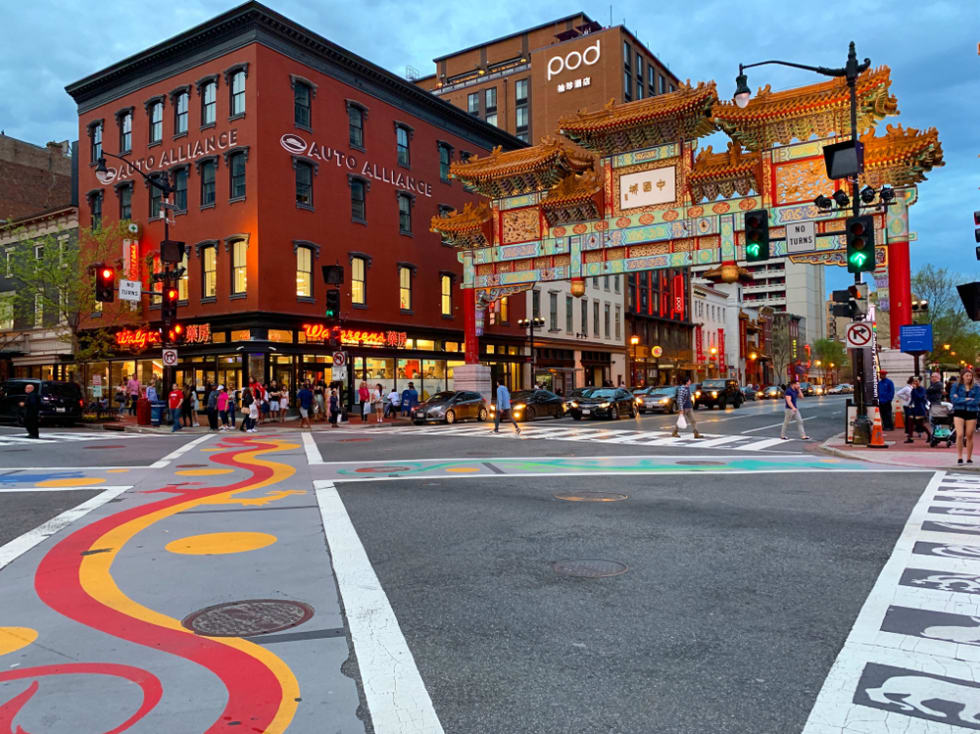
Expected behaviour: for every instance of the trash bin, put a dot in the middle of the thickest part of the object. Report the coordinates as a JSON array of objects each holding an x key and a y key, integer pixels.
[
  {"x": 156, "y": 412},
  {"x": 142, "y": 412}
]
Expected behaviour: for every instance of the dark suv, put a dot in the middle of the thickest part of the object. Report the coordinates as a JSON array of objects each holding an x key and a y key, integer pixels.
[
  {"x": 61, "y": 402},
  {"x": 720, "y": 393}
]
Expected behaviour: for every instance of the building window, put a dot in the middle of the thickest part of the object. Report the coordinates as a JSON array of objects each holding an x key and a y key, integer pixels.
[
  {"x": 7, "y": 311},
  {"x": 156, "y": 121},
  {"x": 404, "y": 213},
  {"x": 585, "y": 317},
  {"x": 95, "y": 207},
  {"x": 358, "y": 281},
  {"x": 505, "y": 310},
  {"x": 180, "y": 189},
  {"x": 445, "y": 159},
  {"x": 236, "y": 166},
  {"x": 405, "y": 288},
  {"x": 521, "y": 118},
  {"x": 126, "y": 132},
  {"x": 569, "y": 315},
  {"x": 209, "y": 266},
  {"x": 446, "y": 294},
  {"x": 490, "y": 100},
  {"x": 618, "y": 322},
  {"x": 492, "y": 119},
  {"x": 239, "y": 267},
  {"x": 304, "y": 184},
  {"x": 520, "y": 91},
  {"x": 651, "y": 82},
  {"x": 627, "y": 85},
  {"x": 355, "y": 125},
  {"x": 304, "y": 272},
  {"x": 616, "y": 283},
  {"x": 401, "y": 143},
  {"x": 184, "y": 280},
  {"x": 358, "y": 200},
  {"x": 95, "y": 135},
  {"x": 605, "y": 320},
  {"x": 209, "y": 103},
  {"x": 553, "y": 311},
  {"x": 473, "y": 103},
  {"x": 595, "y": 319},
  {"x": 627, "y": 53},
  {"x": 125, "y": 201},
  {"x": 663, "y": 84},
  {"x": 208, "y": 170},
  {"x": 181, "y": 103},
  {"x": 238, "y": 93},
  {"x": 535, "y": 304},
  {"x": 302, "y": 98},
  {"x": 156, "y": 201}
]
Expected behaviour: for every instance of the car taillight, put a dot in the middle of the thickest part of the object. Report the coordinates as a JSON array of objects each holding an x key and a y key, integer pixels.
[{"x": 81, "y": 403}]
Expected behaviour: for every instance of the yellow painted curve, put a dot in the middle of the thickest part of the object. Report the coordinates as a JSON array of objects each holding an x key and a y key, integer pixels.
[
  {"x": 13, "y": 639},
  {"x": 209, "y": 544},
  {"x": 96, "y": 578},
  {"x": 72, "y": 482}
]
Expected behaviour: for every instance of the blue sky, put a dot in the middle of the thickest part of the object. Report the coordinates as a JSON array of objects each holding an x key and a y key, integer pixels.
[{"x": 930, "y": 45}]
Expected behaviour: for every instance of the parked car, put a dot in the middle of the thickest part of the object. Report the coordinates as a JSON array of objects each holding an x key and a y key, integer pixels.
[
  {"x": 659, "y": 400},
  {"x": 575, "y": 395},
  {"x": 809, "y": 388},
  {"x": 772, "y": 392},
  {"x": 603, "y": 402},
  {"x": 720, "y": 393},
  {"x": 526, "y": 405},
  {"x": 451, "y": 406},
  {"x": 749, "y": 393},
  {"x": 843, "y": 388},
  {"x": 61, "y": 402}
]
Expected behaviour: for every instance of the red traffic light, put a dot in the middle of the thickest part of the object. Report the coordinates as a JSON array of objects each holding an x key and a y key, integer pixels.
[
  {"x": 857, "y": 228},
  {"x": 171, "y": 294},
  {"x": 107, "y": 273},
  {"x": 178, "y": 329}
]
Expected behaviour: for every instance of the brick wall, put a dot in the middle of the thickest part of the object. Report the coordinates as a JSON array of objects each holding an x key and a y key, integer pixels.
[{"x": 32, "y": 179}]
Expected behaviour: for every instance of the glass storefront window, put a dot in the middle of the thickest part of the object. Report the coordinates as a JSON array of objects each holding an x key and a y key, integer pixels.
[
  {"x": 491, "y": 348},
  {"x": 450, "y": 367},
  {"x": 426, "y": 344},
  {"x": 409, "y": 369},
  {"x": 282, "y": 336},
  {"x": 256, "y": 367},
  {"x": 241, "y": 335},
  {"x": 229, "y": 372},
  {"x": 433, "y": 377},
  {"x": 452, "y": 346},
  {"x": 218, "y": 337}
]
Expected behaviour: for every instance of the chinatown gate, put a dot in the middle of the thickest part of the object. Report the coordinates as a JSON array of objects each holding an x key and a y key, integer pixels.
[{"x": 624, "y": 189}]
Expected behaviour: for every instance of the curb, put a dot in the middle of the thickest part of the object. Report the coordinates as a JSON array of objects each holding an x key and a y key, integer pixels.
[{"x": 846, "y": 454}]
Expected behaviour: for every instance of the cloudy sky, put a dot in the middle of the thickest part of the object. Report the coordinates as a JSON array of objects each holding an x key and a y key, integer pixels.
[{"x": 930, "y": 45}]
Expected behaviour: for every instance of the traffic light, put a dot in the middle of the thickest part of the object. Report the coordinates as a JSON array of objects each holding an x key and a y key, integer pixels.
[
  {"x": 976, "y": 231},
  {"x": 335, "y": 340},
  {"x": 856, "y": 302},
  {"x": 105, "y": 283},
  {"x": 841, "y": 303},
  {"x": 756, "y": 235},
  {"x": 176, "y": 334},
  {"x": 860, "y": 233},
  {"x": 169, "y": 309},
  {"x": 333, "y": 303}
]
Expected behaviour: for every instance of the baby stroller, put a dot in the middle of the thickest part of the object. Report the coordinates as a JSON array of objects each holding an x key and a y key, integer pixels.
[{"x": 941, "y": 418}]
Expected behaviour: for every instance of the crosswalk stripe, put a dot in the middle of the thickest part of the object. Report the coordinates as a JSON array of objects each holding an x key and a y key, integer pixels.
[
  {"x": 720, "y": 441},
  {"x": 759, "y": 445},
  {"x": 14, "y": 440}
]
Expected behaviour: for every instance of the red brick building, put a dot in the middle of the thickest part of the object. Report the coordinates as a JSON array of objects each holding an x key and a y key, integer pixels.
[
  {"x": 288, "y": 153},
  {"x": 33, "y": 178}
]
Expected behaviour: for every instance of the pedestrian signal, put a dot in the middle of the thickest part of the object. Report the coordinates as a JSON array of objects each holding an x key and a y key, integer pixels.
[{"x": 756, "y": 235}]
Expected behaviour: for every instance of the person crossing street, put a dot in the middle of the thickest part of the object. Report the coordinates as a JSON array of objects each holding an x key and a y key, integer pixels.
[
  {"x": 686, "y": 407},
  {"x": 791, "y": 412},
  {"x": 503, "y": 406},
  {"x": 32, "y": 410}
]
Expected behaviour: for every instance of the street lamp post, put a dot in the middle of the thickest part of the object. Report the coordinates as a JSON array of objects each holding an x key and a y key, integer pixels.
[
  {"x": 850, "y": 71},
  {"x": 169, "y": 276},
  {"x": 634, "y": 340},
  {"x": 530, "y": 324}
]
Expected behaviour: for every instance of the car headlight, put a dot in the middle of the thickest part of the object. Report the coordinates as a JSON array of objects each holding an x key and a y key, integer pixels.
[
  {"x": 519, "y": 406},
  {"x": 604, "y": 405},
  {"x": 639, "y": 401},
  {"x": 573, "y": 404},
  {"x": 665, "y": 401},
  {"x": 697, "y": 393},
  {"x": 714, "y": 394}
]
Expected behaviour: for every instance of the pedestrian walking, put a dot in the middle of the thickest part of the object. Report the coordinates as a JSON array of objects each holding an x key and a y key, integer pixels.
[
  {"x": 247, "y": 399},
  {"x": 364, "y": 396},
  {"x": 221, "y": 403},
  {"x": 394, "y": 402},
  {"x": 121, "y": 398},
  {"x": 31, "y": 405},
  {"x": 305, "y": 399},
  {"x": 886, "y": 393},
  {"x": 918, "y": 409},
  {"x": 904, "y": 399},
  {"x": 212, "y": 410},
  {"x": 253, "y": 409},
  {"x": 378, "y": 402},
  {"x": 284, "y": 402},
  {"x": 185, "y": 406},
  {"x": 965, "y": 397},
  {"x": 334, "y": 408},
  {"x": 174, "y": 401},
  {"x": 232, "y": 403},
  {"x": 685, "y": 417},
  {"x": 320, "y": 395},
  {"x": 503, "y": 409},
  {"x": 791, "y": 411},
  {"x": 132, "y": 393}
]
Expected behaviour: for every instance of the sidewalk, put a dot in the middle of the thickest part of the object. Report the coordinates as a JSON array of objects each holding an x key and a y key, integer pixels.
[
  {"x": 128, "y": 423},
  {"x": 915, "y": 455}
]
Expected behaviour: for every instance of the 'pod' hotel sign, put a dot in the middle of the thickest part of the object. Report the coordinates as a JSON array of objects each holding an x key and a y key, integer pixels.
[{"x": 298, "y": 146}]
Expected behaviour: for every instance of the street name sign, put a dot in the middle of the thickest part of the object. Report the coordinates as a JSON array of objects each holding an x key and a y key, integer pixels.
[
  {"x": 130, "y": 290},
  {"x": 800, "y": 237},
  {"x": 859, "y": 335}
]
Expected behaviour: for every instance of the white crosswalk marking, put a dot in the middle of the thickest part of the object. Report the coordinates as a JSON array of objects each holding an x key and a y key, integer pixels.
[
  {"x": 67, "y": 437},
  {"x": 596, "y": 434}
]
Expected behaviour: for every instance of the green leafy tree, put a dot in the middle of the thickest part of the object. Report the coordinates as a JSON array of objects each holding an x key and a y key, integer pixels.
[
  {"x": 955, "y": 337},
  {"x": 830, "y": 352},
  {"x": 782, "y": 347},
  {"x": 56, "y": 288}
]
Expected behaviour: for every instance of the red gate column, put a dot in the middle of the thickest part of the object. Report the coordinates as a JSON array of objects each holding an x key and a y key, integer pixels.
[
  {"x": 899, "y": 289},
  {"x": 472, "y": 342}
]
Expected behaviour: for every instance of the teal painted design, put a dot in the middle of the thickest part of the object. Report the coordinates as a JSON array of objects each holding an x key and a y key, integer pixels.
[
  {"x": 671, "y": 150},
  {"x": 727, "y": 226},
  {"x": 515, "y": 202},
  {"x": 519, "y": 252}
]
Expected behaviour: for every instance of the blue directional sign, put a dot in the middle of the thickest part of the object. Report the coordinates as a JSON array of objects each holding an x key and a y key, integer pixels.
[{"x": 915, "y": 338}]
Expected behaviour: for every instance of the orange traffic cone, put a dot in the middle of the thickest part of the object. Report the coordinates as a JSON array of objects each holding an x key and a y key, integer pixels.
[
  {"x": 877, "y": 434},
  {"x": 899, "y": 418}
]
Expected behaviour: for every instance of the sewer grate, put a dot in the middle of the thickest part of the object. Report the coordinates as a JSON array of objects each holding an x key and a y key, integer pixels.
[
  {"x": 589, "y": 568},
  {"x": 592, "y": 497},
  {"x": 248, "y": 617}
]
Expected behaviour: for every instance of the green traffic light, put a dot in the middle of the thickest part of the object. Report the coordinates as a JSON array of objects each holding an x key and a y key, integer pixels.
[
  {"x": 753, "y": 249},
  {"x": 859, "y": 258}
]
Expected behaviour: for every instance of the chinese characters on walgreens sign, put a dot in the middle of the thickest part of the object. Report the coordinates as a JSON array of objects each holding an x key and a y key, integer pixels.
[
  {"x": 183, "y": 153},
  {"x": 298, "y": 145}
]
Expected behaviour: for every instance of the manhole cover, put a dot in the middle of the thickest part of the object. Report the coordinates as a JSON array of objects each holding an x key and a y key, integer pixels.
[
  {"x": 353, "y": 440},
  {"x": 190, "y": 466},
  {"x": 248, "y": 617},
  {"x": 702, "y": 463},
  {"x": 589, "y": 569},
  {"x": 592, "y": 497},
  {"x": 112, "y": 446},
  {"x": 382, "y": 469}
]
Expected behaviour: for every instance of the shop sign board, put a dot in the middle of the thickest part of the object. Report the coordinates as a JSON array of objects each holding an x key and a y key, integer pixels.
[{"x": 137, "y": 339}]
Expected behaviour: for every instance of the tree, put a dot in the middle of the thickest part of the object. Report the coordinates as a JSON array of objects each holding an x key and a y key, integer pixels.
[
  {"x": 830, "y": 352},
  {"x": 56, "y": 286},
  {"x": 936, "y": 286},
  {"x": 950, "y": 324},
  {"x": 782, "y": 347}
]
